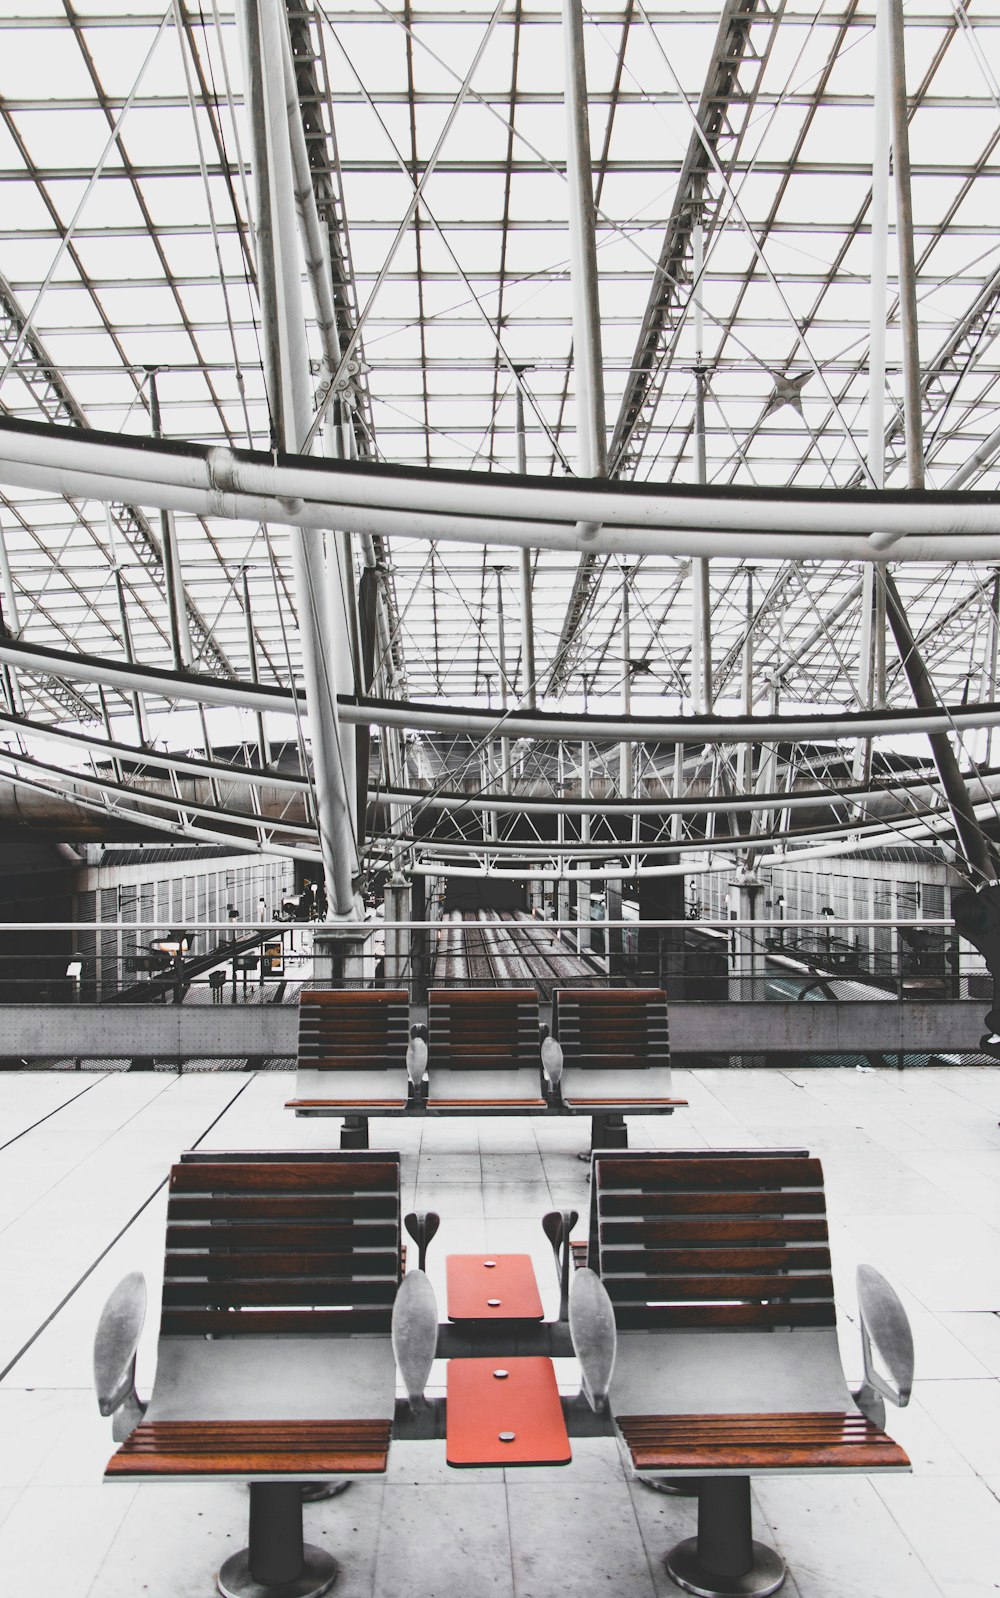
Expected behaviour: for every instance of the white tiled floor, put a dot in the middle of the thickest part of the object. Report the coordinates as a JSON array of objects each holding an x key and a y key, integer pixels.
[{"x": 913, "y": 1174}]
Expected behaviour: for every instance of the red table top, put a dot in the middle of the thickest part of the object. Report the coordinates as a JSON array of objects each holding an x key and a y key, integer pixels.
[
  {"x": 492, "y": 1287},
  {"x": 504, "y": 1412}
]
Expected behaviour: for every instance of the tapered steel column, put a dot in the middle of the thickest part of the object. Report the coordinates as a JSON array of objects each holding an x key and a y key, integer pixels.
[
  {"x": 180, "y": 632},
  {"x": 626, "y": 769},
  {"x": 588, "y": 359},
  {"x": 912, "y": 419},
  {"x": 701, "y": 618},
  {"x": 528, "y": 667},
  {"x": 502, "y": 663},
  {"x": 971, "y": 839},
  {"x": 287, "y": 372}
]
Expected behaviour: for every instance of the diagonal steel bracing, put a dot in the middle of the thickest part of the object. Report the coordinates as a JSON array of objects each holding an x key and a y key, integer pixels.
[
  {"x": 747, "y": 29},
  {"x": 55, "y": 400}
]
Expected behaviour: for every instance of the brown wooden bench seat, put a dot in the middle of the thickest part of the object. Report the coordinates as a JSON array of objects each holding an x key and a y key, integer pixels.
[
  {"x": 615, "y": 1057},
  {"x": 716, "y": 1276},
  {"x": 483, "y": 1051},
  {"x": 352, "y": 1052},
  {"x": 263, "y": 1252},
  {"x": 299, "y": 1448}
]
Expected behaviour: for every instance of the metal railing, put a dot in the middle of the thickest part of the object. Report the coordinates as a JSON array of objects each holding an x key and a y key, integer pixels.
[{"x": 246, "y": 962}]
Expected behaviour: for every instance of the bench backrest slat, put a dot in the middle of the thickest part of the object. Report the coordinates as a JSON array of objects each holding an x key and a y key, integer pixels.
[
  {"x": 281, "y": 1243},
  {"x": 481, "y": 1028},
  {"x": 342, "y": 1028},
  {"x": 712, "y": 1239},
  {"x": 611, "y": 1027}
]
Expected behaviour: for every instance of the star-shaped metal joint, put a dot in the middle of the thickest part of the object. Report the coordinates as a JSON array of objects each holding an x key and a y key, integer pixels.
[{"x": 787, "y": 391}]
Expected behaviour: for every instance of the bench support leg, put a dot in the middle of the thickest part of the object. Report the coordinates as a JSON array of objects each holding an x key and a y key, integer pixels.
[
  {"x": 723, "y": 1561},
  {"x": 608, "y": 1132},
  {"x": 277, "y": 1563},
  {"x": 354, "y": 1132}
]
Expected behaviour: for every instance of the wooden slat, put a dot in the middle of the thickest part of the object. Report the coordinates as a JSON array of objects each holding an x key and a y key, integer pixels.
[
  {"x": 818, "y": 1441},
  {"x": 288, "y": 1177},
  {"x": 237, "y": 1448},
  {"x": 282, "y": 1207},
  {"x": 665, "y": 1261},
  {"x": 229, "y": 1322},
  {"x": 708, "y": 1175},
  {"x": 317, "y": 1238},
  {"x": 244, "y": 1293},
  {"x": 754, "y": 1202},
  {"x": 649, "y": 1317},
  {"x": 752, "y": 1232},
  {"x": 460, "y": 1104},
  {"x": 716, "y": 1287},
  {"x": 257, "y": 1265}
]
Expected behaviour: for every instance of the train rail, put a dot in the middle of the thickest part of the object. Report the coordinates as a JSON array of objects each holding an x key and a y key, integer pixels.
[{"x": 507, "y": 949}]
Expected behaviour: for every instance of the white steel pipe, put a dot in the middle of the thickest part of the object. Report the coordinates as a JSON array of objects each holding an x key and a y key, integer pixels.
[{"x": 470, "y": 507}]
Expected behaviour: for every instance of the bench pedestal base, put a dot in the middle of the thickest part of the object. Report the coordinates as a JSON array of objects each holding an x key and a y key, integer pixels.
[
  {"x": 277, "y": 1563},
  {"x": 354, "y": 1132},
  {"x": 723, "y": 1561}
]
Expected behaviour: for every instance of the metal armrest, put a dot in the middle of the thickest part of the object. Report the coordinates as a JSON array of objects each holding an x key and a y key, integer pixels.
[
  {"x": 557, "y": 1225},
  {"x": 115, "y": 1345},
  {"x": 416, "y": 1061},
  {"x": 422, "y": 1226},
  {"x": 884, "y": 1322},
  {"x": 552, "y": 1060},
  {"x": 594, "y": 1334},
  {"x": 414, "y": 1333}
]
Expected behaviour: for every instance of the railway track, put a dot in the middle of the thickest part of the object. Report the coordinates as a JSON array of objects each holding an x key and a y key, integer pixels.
[{"x": 505, "y": 949}]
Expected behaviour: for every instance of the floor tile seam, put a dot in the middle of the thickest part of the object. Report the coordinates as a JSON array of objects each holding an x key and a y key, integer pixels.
[
  {"x": 107, "y": 1249},
  {"x": 73, "y": 1169},
  {"x": 93, "y": 1590},
  {"x": 65, "y": 1105},
  {"x": 902, "y": 1532}
]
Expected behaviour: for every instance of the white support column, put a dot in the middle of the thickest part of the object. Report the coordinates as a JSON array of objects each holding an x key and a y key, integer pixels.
[
  {"x": 502, "y": 664},
  {"x": 588, "y": 360},
  {"x": 626, "y": 769},
  {"x": 264, "y": 27},
  {"x": 529, "y": 668}
]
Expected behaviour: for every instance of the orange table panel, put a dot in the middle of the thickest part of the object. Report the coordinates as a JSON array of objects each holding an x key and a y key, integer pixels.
[
  {"x": 504, "y": 1412},
  {"x": 492, "y": 1287}
]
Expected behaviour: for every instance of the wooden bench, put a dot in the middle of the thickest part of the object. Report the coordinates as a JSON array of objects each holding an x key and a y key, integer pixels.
[
  {"x": 262, "y": 1253},
  {"x": 352, "y": 1056},
  {"x": 484, "y": 1051},
  {"x": 716, "y": 1287},
  {"x": 615, "y": 1061}
]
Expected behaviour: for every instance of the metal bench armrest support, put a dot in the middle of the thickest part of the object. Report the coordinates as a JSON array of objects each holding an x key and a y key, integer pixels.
[
  {"x": 884, "y": 1322},
  {"x": 115, "y": 1345}
]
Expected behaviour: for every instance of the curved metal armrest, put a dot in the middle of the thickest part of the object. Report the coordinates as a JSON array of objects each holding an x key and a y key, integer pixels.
[
  {"x": 595, "y": 1336},
  {"x": 552, "y": 1060},
  {"x": 414, "y": 1333},
  {"x": 115, "y": 1345},
  {"x": 416, "y": 1060},
  {"x": 884, "y": 1322},
  {"x": 557, "y": 1225},
  {"x": 422, "y": 1226}
]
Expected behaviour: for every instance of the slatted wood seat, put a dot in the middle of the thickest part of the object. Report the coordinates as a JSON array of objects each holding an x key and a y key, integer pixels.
[
  {"x": 270, "y": 1448},
  {"x": 264, "y": 1251},
  {"x": 717, "y": 1266},
  {"x": 616, "y": 1057},
  {"x": 483, "y": 1051},
  {"x": 352, "y": 1052}
]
